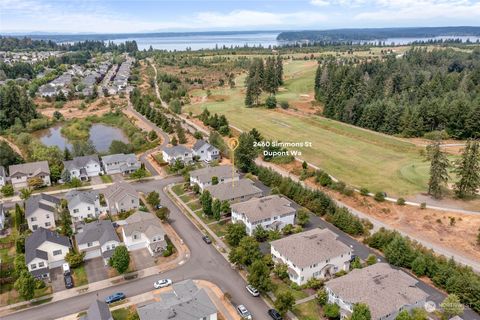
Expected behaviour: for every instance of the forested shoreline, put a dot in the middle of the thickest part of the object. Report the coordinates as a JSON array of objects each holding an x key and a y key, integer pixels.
[{"x": 410, "y": 95}]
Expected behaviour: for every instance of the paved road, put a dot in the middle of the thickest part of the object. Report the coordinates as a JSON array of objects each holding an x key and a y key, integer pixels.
[{"x": 205, "y": 263}]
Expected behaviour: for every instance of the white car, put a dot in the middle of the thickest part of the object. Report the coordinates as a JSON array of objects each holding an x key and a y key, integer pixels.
[
  {"x": 243, "y": 312},
  {"x": 253, "y": 291},
  {"x": 162, "y": 283}
]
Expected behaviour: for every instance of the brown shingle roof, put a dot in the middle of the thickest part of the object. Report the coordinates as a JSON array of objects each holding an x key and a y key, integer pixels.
[
  {"x": 225, "y": 191},
  {"x": 257, "y": 209}
]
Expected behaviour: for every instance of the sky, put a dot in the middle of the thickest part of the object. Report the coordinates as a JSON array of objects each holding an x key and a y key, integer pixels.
[{"x": 121, "y": 16}]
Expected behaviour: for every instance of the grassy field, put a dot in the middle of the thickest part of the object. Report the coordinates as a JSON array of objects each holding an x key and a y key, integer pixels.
[{"x": 359, "y": 157}]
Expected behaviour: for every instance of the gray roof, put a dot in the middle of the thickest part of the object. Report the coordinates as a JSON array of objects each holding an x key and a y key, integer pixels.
[
  {"x": 118, "y": 191},
  {"x": 100, "y": 230},
  {"x": 185, "y": 302},
  {"x": 143, "y": 222},
  {"x": 120, "y": 157},
  {"x": 80, "y": 162},
  {"x": 41, "y": 201},
  {"x": 200, "y": 143},
  {"x": 98, "y": 310},
  {"x": 176, "y": 151},
  {"x": 75, "y": 197},
  {"x": 33, "y": 168},
  {"x": 310, "y": 247},
  {"x": 237, "y": 189},
  {"x": 206, "y": 174},
  {"x": 384, "y": 289},
  {"x": 37, "y": 238},
  {"x": 257, "y": 209}
]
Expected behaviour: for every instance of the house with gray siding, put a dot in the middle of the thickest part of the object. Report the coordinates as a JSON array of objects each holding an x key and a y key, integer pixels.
[
  {"x": 83, "y": 167},
  {"x": 21, "y": 174},
  {"x": 98, "y": 239},
  {"x": 203, "y": 177},
  {"x": 120, "y": 197},
  {"x": 120, "y": 163},
  {"x": 40, "y": 211}
]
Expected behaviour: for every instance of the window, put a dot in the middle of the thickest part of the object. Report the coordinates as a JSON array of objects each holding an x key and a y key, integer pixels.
[
  {"x": 75, "y": 210},
  {"x": 135, "y": 236},
  {"x": 133, "y": 201},
  {"x": 34, "y": 227},
  {"x": 33, "y": 219},
  {"x": 57, "y": 252},
  {"x": 48, "y": 224},
  {"x": 33, "y": 266},
  {"x": 41, "y": 264},
  {"x": 88, "y": 208},
  {"x": 47, "y": 216},
  {"x": 89, "y": 244}
]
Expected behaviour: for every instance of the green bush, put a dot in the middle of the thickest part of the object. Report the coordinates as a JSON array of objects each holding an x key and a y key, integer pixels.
[
  {"x": 271, "y": 102},
  {"x": 284, "y": 104},
  {"x": 379, "y": 196},
  {"x": 401, "y": 201},
  {"x": 364, "y": 191}
]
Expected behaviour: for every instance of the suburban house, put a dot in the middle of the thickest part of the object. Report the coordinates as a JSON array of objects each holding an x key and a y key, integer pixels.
[
  {"x": 83, "y": 167},
  {"x": 311, "y": 254},
  {"x": 2, "y": 217},
  {"x": 20, "y": 174},
  {"x": 3, "y": 176},
  {"x": 182, "y": 153},
  {"x": 184, "y": 301},
  {"x": 272, "y": 212},
  {"x": 387, "y": 291},
  {"x": 203, "y": 177},
  {"x": 40, "y": 211},
  {"x": 45, "y": 250},
  {"x": 83, "y": 204},
  {"x": 121, "y": 197},
  {"x": 144, "y": 230},
  {"x": 98, "y": 239},
  {"x": 120, "y": 163},
  {"x": 236, "y": 191},
  {"x": 98, "y": 310},
  {"x": 205, "y": 151}
]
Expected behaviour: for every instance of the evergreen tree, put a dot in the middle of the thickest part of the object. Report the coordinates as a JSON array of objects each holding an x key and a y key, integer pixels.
[
  {"x": 245, "y": 153},
  {"x": 217, "y": 208},
  {"x": 468, "y": 170},
  {"x": 438, "y": 170},
  {"x": 66, "y": 154}
]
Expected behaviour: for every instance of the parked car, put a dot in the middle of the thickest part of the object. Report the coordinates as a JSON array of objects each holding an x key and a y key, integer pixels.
[
  {"x": 162, "y": 283},
  {"x": 67, "y": 278},
  {"x": 207, "y": 239},
  {"x": 66, "y": 269},
  {"x": 274, "y": 314},
  {"x": 243, "y": 312},
  {"x": 253, "y": 291},
  {"x": 115, "y": 297}
]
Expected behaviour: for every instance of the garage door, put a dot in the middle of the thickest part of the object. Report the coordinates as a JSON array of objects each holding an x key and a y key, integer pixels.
[
  {"x": 56, "y": 264},
  {"x": 92, "y": 254},
  {"x": 137, "y": 246}
]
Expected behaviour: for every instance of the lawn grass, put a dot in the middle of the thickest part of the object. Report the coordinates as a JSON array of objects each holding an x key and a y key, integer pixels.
[
  {"x": 308, "y": 311},
  {"x": 120, "y": 314},
  {"x": 204, "y": 218},
  {"x": 106, "y": 178},
  {"x": 354, "y": 155},
  {"x": 281, "y": 286},
  {"x": 79, "y": 276},
  {"x": 220, "y": 228},
  {"x": 195, "y": 205},
  {"x": 178, "y": 189}
]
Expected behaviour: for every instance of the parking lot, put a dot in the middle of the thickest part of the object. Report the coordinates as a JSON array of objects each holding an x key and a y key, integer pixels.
[{"x": 96, "y": 270}]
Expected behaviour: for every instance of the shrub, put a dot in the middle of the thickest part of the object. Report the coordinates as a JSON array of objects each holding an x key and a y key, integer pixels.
[
  {"x": 379, "y": 196},
  {"x": 371, "y": 259},
  {"x": 74, "y": 259},
  {"x": 364, "y": 191},
  {"x": 314, "y": 283},
  {"x": 271, "y": 102},
  {"x": 401, "y": 201},
  {"x": 284, "y": 104},
  {"x": 423, "y": 205}
]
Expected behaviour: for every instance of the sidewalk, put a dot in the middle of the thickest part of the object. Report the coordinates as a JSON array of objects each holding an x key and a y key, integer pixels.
[{"x": 183, "y": 255}]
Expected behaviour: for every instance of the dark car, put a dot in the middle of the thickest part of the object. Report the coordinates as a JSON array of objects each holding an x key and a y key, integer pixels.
[
  {"x": 207, "y": 239},
  {"x": 115, "y": 297},
  {"x": 274, "y": 314},
  {"x": 68, "y": 281}
]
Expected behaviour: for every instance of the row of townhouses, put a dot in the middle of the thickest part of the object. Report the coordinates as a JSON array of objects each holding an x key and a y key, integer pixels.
[
  {"x": 80, "y": 167},
  {"x": 201, "y": 150}
]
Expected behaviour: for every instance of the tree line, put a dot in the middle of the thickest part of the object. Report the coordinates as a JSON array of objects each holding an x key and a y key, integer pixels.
[
  {"x": 418, "y": 93},
  {"x": 15, "y": 106},
  {"x": 263, "y": 77}
]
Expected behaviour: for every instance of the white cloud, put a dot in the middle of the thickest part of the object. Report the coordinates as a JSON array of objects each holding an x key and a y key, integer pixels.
[{"x": 320, "y": 3}]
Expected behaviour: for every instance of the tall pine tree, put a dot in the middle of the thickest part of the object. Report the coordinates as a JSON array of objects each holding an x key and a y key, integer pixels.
[
  {"x": 467, "y": 169},
  {"x": 438, "y": 170}
]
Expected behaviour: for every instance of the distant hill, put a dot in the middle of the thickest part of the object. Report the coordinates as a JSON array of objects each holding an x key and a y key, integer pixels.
[{"x": 376, "y": 33}]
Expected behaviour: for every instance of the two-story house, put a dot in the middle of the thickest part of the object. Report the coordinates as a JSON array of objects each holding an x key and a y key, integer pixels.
[
  {"x": 184, "y": 301},
  {"x": 120, "y": 197},
  {"x": 204, "y": 151},
  {"x": 316, "y": 253},
  {"x": 272, "y": 212},
  {"x": 144, "y": 230},
  {"x": 40, "y": 211},
  {"x": 120, "y": 163},
  {"x": 236, "y": 191},
  {"x": 181, "y": 153},
  {"x": 98, "y": 239},
  {"x": 83, "y": 167},
  {"x": 386, "y": 290},
  {"x": 20, "y": 174},
  {"x": 45, "y": 250},
  {"x": 83, "y": 204},
  {"x": 204, "y": 177},
  {"x": 3, "y": 176}
]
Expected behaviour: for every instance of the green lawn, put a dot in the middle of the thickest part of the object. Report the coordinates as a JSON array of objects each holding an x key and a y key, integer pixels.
[
  {"x": 220, "y": 228},
  {"x": 120, "y": 314},
  {"x": 281, "y": 286},
  {"x": 178, "y": 189},
  {"x": 80, "y": 276},
  {"x": 194, "y": 205},
  {"x": 359, "y": 157},
  {"x": 308, "y": 311},
  {"x": 106, "y": 178}
]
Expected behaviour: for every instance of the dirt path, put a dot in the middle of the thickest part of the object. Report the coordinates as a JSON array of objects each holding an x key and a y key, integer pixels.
[{"x": 13, "y": 146}]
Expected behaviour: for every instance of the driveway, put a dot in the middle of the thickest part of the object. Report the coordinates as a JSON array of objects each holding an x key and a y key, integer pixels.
[
  {"x": 96, "y": 270},
  {"x": 117, "y": 177},
  {"x": 95, "y": 180},
  {"x": 142, "y": 259},
  {"x": 56, "y": 275}
]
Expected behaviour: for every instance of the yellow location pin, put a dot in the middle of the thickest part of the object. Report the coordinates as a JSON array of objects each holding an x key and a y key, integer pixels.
[{"x": 232, "y": 145}]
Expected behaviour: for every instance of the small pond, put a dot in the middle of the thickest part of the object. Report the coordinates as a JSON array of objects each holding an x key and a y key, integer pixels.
[{"x": 101, "y": 135}]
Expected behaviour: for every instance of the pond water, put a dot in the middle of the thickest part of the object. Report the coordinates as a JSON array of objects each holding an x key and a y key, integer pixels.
[{"x": 100, "y": 134}]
